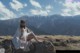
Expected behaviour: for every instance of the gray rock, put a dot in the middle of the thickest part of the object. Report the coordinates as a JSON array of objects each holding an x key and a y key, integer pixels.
[
  {"x": 2, "y": 50},
  {"x": 37, "y": 47},
  {"x": 45, "y": 47}
]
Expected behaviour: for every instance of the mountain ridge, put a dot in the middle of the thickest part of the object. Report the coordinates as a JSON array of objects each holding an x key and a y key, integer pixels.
[{"x": 52, "y": 25}]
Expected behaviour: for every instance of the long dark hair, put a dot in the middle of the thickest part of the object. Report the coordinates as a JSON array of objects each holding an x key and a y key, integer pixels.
[{"x": 22, "y": 24}]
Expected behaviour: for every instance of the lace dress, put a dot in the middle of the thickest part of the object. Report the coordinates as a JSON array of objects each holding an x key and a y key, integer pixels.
[{"x": 21, "y": 43}]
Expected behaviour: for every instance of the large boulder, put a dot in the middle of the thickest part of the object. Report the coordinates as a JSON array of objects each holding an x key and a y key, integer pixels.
[{"x": 45, "y": 47}]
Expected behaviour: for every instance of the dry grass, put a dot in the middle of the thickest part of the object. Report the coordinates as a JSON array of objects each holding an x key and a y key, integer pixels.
[
  {"x": 6, "y": 37},
  {"x": 65, "y": 37},
  {"x": 71, "y": 46}
]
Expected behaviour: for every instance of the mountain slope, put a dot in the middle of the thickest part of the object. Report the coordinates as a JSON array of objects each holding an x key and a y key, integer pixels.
[{"x": 55, "y": 24}]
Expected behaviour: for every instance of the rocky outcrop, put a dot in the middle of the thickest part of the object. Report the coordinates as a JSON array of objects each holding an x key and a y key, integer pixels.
[
  {"x": 37, "y": 47},
  {"x": 45, "y": 47}
]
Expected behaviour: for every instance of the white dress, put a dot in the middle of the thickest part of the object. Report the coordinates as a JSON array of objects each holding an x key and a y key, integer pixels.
[{"x": 22, "y": 44}]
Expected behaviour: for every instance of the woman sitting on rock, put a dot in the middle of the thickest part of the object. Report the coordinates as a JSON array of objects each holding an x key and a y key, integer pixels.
[{"x": 22, "y": 38}]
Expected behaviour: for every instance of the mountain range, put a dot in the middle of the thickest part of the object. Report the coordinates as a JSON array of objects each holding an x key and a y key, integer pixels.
[{"x": 46, "y": 25}]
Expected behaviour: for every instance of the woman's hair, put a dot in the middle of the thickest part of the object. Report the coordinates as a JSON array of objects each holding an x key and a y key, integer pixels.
[{"x": 22, "y": 24}]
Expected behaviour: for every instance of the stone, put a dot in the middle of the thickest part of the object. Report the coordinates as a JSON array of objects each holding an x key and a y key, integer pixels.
[{"x": 2, "y": 50}]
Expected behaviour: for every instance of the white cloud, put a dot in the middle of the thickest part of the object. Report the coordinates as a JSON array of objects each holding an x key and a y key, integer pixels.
[
  {"x": 69, "y": 1},
  {"x": 72, "y": 8},
  {"x": 23, "y": 14},
  {"x": 6, "y": 13},
  {"x": 35, "y": 3},
  {"x": 42, "y": 12},
  {"x": 16, "y": 5},
  {"x": 66, "y": 12},
  {"x": 39, "y": 12},
  {"x": 48, "y": 8}
]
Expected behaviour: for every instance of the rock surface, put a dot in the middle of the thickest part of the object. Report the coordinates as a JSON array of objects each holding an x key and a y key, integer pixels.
[
  {"x": 2, "y": 50},
  {"x": 39, "y": 47},
  {"x": 45, "y": 47}
]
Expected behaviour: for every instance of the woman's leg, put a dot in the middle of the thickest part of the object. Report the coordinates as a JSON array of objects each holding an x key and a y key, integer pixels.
[{"x": 32, "y": 36}]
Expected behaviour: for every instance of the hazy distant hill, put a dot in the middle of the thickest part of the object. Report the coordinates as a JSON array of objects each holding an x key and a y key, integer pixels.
[{"x": 55, "y": 24}]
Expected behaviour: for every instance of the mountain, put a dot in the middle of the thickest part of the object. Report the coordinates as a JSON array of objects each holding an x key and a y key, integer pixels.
[{"x": 51, "y": 25}]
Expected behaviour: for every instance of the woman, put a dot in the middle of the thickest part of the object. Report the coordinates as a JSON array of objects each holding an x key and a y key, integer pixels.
[{"x": 23, "y": 36}]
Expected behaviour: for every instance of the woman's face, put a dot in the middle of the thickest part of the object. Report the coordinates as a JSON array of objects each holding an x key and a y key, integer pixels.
[{"x": 22, "y": 25}]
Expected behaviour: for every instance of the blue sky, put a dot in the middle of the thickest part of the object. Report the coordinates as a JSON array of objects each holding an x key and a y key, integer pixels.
[{"x": 16, "y": 8}]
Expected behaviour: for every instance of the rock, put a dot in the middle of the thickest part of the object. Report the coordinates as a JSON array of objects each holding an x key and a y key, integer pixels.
[
  {"x": 63, "y": 44},
  {"x": 41, "y": 47},
  {"x": 45, "y": 47},
  {"x": 8, "y": 46},
  {"x": 73, "y": 41},
  {"x": 57, "y": 40},
  {"x": 2, "y": 50},
  {"x": 36, "y": 47}
]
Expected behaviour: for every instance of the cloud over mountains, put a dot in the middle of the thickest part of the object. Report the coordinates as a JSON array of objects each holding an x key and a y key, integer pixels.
[{"x": 16, "y": 8}]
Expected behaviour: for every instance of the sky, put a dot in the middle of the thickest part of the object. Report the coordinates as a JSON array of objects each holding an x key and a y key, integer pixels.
[{"x": 16, "y": 8}]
